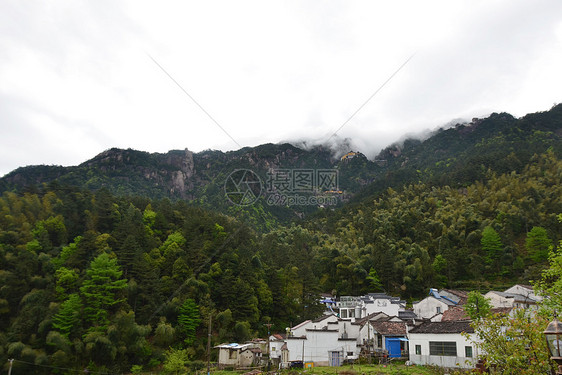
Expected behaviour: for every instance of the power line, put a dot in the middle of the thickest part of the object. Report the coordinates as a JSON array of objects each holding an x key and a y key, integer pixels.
[
  {"x": 60, "y": 368},
  {"x": 372, "y": 96}
]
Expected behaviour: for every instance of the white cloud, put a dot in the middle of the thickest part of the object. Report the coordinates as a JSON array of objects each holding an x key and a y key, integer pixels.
[{"x": 76, "y": 77}]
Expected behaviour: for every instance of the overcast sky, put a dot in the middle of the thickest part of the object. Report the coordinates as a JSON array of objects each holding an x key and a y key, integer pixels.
[{"x": 79, "y": 77}]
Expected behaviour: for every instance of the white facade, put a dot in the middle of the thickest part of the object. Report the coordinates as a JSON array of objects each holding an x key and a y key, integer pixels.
[
  {"x": 312, "y": 341},
  {"x": 384, "y": 305},
  {"x": 514, "y": 300},
  {"x": 351, "y": 307},
  {"x": 525, "y": 291},
  {"x": 429, "y": 307},
  {"x": 420, "y": 354}
]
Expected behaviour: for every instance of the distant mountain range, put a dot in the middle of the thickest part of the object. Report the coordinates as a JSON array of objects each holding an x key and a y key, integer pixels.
[{"x": 455, "y": 156}]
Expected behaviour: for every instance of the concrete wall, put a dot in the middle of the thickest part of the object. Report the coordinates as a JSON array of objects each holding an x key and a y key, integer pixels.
[
  {"x": 425, "y": 358},
  {"x": 427, "y": 307}
]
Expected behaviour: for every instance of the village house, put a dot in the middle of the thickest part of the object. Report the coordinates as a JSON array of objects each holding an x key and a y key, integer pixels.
[
  {"x": 324, "y": 341},
  {"x": 443, "y": 344},
  {"x": 390, "y": 337},
  {"x": 238, "y": 355},
  {"x": 437, "y": 302},
  {"x": 514, "y": 300},
  {"x": 352, "y": 307}
]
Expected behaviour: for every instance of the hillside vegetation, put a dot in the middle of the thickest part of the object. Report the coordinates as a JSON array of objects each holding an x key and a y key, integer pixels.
[{"x": 99, "y": 279}]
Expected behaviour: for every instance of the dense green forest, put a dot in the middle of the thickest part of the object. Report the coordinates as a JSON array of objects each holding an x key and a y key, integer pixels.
[
  {"x": 91, "y": 279},
  {"x": 107, "y": 276}
]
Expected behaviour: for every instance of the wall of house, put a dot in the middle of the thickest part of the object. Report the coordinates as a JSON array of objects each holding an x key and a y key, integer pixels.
[
  {"x": 246, "y": 358},
  {"x": 300, "y": 329},
  {"x": 518, "y": 289},
  {"x": 498, "y": 301},
  {"x": 427, "y": 307},
  {"x": 423, "y": 339},
  {"x": 348, "y": 329},
  {"x": 383, "y": 305},
  {"x": 227, "y": 359}
]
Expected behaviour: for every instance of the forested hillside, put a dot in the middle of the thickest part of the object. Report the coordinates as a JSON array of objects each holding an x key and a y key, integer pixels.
[
  {"x": 106, "y": 279},
  {"x": 93, "y": 279}
]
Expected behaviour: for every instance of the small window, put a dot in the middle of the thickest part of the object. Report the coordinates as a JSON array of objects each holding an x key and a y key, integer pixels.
[
  {"x": 438, "y": 309},
  {"x": 468, "y": 351},
  {"x": 352, "y": 313},
  {"x": 343, "y": 314},
  {"x": 350, "y": 354},
  {"x": 418, "y": 349}
]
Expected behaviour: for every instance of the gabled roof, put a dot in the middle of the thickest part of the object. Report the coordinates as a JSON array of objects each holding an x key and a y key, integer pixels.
[
  {"x": 453, "y": 314},
  {"x": 455, "y": 326},
  {"x": 390, "y": 328},
  {"x": 323, "y": 317},
  {"x": 461, "y": 294},
  {"x": 279, "y": 336},
  {"x": 407, "y": 314},
  {"x": 233, "y": 346},
  {"x": 501, "y": 310},
  {"x": 446, "y": 300},
  {"x": 301, "y": 324},
  {"x": 516, "y": 297}
]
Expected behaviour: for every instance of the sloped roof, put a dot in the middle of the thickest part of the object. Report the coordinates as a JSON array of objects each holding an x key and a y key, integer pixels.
[
  {"x": 390, "y": 328},
  {"x": 501, "y": 310},
  {"x": 279, "y": 336},
  {"x": 515, "y": 296},
  {"x": 463, "y": 295},
  {"x": 407, "y": 314},
  {"x": 323, "y": 317},
  {"x": 454, "y": 313},
  {"x": 301, "y": 324},
  {"x": 455, "y": 326},
  {"x": 233, "y": 346}
]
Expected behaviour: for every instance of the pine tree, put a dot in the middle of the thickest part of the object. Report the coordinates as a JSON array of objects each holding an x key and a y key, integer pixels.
[
  {"x": 69, "y": 314},
  {"x": 101, "y": 288},
  {"x": 189, "y": 319}
]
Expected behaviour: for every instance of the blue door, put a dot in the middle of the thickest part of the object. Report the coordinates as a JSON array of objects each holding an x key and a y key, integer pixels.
[{"x": 393, "y": 347}]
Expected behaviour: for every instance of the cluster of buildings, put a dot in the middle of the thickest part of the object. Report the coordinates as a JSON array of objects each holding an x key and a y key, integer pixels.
[{"x": 379, "y": 327}]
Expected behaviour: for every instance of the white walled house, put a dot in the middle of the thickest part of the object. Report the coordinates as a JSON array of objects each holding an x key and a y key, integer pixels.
[
  {"x": 433, "y": 306},
  {"x": 238, "y": 355},
  {"x": 514, "y": 300},
  {"x": 351, "y": 307},
  {"x": 318, "y": 340},
  {"x": 525, "y": 291},
  {"x": 443, "y": 344}
]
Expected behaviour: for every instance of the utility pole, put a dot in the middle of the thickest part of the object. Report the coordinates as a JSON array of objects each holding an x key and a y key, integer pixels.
[
  {"x": 369, "y": 340},
  {"x": 268, "y": 325},
  {"x": 11, "y": 363},
  {"x": 209, "y": 348}
]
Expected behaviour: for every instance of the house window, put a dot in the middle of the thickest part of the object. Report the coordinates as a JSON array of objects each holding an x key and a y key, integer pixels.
[
  {"x": 343, "y": 314},
  {"x": 438, "y": 309},
  {"x": 350, "y": 354},
  {"x": 468, "y": 351},
  {"x": 443, "y": 348},
  {"x": 352, "y": 313},
  {"x": 418, "y": 349},
  {"x": 379, "y": 341},
  {"x": 232, "y": 354}
]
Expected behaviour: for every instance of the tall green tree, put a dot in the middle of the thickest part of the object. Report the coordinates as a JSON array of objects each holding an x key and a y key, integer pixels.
[
  {"x": 188, "y": 320},
  {"x": 68, "y": 316},
  {"x": 538, "y": 244},
  {"x": 101, "y": 289},
  {"x": 477, "y": 306},
  {"x": 491, "y": 246}
]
